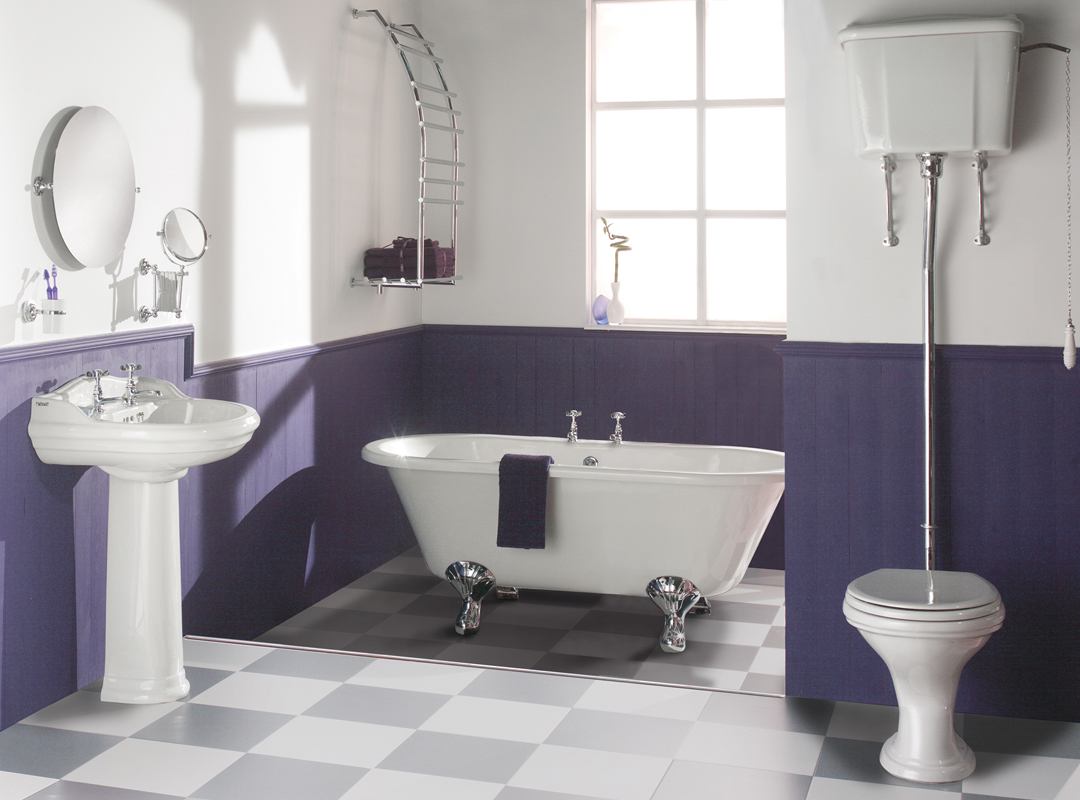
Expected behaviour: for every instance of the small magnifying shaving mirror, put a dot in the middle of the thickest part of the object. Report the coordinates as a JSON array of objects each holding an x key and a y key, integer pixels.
[{"x": 183, "y": 237}]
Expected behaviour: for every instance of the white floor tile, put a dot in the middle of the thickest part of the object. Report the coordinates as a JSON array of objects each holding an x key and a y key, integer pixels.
[
  {"x": 496, "y": 719},
  {"x": 755, "y": 748},
  {"x": 16, "y": 786},
  {"x": 258, "y": 692},
  {"x": 1071, "y": 789},
  {"x": 595, "y": 773},
  {"x": 650, "y": 701},
  {"x": 833, "y": 789},
  {"x": 689, "y": 780},
  {"x": 769, "y": 661},
  {"x": 380, "y": 784},
  {"x": 1024, "y": 777},
  {"x": 781, "y": 617},
  {"x": 84, "y": 711},
  {"x": 162, "y": 767},
  {"x": 333, "y": 741},
  {"x": 755, "y": 593},
  {"x": 221, "y": 655},
  {"x": 416, "y": 676}
]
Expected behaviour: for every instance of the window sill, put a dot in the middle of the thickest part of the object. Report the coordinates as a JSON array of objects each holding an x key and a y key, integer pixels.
[{"x": 750, "y": 328}]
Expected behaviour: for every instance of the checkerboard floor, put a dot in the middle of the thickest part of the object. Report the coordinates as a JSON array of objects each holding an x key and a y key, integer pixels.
[
  {"x": 401, "y": 609},
  {"x": 273, "y": 723}
]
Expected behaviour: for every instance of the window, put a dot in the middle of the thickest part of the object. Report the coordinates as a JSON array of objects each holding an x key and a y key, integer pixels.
[{"x": 688, "y": 160}]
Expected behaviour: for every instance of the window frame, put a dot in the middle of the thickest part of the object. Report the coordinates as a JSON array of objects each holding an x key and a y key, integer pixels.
[{"x": 700, "y": 214}]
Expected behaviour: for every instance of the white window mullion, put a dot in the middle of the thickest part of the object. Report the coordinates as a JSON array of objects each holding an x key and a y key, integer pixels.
[{"x": 702, "y": 287}]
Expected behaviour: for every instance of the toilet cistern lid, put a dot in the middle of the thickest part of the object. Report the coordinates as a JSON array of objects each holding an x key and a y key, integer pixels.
[{"x": 911, "y": 588}]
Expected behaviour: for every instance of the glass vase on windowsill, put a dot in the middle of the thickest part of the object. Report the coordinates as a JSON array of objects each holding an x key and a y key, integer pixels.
[{"x": 616, "y": 313}]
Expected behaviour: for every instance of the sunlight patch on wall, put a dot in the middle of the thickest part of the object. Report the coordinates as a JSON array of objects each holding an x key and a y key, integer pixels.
[{"x": 261, "y": 75}]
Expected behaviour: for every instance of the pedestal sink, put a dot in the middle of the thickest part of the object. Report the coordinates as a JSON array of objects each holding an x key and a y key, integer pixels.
[{"x": 146, "y": 441}]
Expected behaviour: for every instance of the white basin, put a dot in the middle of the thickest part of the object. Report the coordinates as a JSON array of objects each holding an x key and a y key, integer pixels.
[
  {"x": 145, "y": 447},
  {"x": 164, "y": 435}
]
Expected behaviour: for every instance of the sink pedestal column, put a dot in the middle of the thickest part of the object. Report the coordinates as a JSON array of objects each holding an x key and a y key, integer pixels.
[{"x": 144, "y": 656}]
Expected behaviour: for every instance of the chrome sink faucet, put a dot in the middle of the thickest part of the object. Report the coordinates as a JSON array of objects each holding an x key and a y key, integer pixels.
[
  {"x": 616, "y": 437},
  {"x": 132, "y": 383},
  {"x": 99, "y": 400},
  {"x": 572, "y": 436}
]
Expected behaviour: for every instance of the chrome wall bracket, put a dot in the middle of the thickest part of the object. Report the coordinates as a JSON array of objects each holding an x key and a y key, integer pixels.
[
  {"x": 31, "y": 311},
  {"x": 888, "y": 165},
  {"x": 979, "y": 164}
]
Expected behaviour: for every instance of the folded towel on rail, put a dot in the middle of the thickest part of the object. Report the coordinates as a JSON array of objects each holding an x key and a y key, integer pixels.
[
  {"x": 398, "y": 260},
  {"x": 523, "y": 501}
]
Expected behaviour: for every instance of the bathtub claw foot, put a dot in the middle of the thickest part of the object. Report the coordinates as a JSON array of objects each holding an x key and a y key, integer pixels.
[
  {"x": 675, "y": 597},
  {"x": 506, "y": 592},
  {"x": 702, "y": 607},
  {"x": 473, "y": 582}
]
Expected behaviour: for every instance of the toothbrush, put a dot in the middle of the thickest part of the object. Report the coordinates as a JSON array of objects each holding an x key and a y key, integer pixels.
[
  {"x": 56, "y": 286},
  {"x": 48, "y": 288}
]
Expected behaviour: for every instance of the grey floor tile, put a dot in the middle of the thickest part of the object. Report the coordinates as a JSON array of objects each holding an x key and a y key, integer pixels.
[
  {"x": 574, "y": 664},
  {"x": 343, "y": 620},
  {"x": 682, "y": 675},
  {"x": 620, "y": 733},
  {"x": 743, "y": 612},
  {"x": 378, "y": 706},
  {"x": 214, "y": 726},
  {"x": 587, "y": 600},
  {"x": 606, "y": 645},
  {"x": 368, "y": 600},
  {"x": 49, "y": 752},
  {"x": 628, "y": 604},
  {"x": 443, "y": 607},
  {"x": 304, "y": 664},
  {"x": 645, "y": 625},
  {"x": 407, "y": 564},
  {"x": 525, "y": 687},
  {"x": 202, "y": 679},
  {"x": 456, "y": 756},
  {"x": 758, "y": 683},
  {"x": 536, "y": 614},
  {"x": 737, "y": 657},
  {"x": 775, "y": 638},
  {"x": 523, "y": 637},
  {"x": 794, "y": 714},
  {"x": 307, "y": 637},
  {"x": 687, "y": 780},
  {"x": 256, "y": 777},
  {"x": 434, "y": 628},
  {"x": 72, "y": 790},
  {"x": 468, "y": 651},
  {"x": 1027, "y": 737},
  {"x": 396, "y": 646},
  {"x": 389, "y": 582},
  {"x": 517, "y": 793},
  {"x": 854, "y": 760}
]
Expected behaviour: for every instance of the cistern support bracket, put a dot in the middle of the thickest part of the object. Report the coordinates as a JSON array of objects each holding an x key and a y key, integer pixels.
[
  {"x": 979, "y": 164},
  {"x": 888, "y": 164}
]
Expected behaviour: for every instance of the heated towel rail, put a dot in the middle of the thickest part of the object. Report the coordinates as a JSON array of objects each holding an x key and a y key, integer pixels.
[{"x": 440, "y": 177}]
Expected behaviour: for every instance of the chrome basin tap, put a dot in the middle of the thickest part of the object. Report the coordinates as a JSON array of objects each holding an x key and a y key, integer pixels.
[
  {"x": 616, "y": 437},
  {"x": 132, "y": 383},
  {"x": 99, "y": 400}
]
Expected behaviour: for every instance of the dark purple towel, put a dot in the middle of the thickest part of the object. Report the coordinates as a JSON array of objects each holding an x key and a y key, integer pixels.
[{"x": 523, "y": 500}]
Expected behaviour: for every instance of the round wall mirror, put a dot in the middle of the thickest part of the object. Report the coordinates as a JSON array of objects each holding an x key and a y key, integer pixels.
[
  {"x": 87, "y": 188},
  {"x": 183, "y": 237}
]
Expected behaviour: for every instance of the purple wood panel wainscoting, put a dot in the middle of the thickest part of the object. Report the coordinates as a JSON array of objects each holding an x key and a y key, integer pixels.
[
  {"x": 1009, "y": 510},
  {"x": 688, "y": 388}
]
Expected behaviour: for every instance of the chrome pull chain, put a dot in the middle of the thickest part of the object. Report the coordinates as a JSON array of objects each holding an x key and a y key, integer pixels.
[
  {"x": 1069, "y": 355},
  {"x": 979, "y": 164}
]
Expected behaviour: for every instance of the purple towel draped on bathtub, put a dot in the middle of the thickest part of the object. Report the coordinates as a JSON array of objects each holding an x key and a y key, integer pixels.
[{"x": 523, "y": 500}]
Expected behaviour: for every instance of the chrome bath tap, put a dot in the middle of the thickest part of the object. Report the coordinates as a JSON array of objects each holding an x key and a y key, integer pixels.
[
  {"x": 572, "y": 436},
  {"x": 132, "y": 382},
  {"x": 616, "y": 437},
  {"x": 99, "y": 400}
]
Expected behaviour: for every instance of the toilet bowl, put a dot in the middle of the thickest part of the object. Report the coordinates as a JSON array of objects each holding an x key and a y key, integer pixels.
[{"x": 925, "y": 625}]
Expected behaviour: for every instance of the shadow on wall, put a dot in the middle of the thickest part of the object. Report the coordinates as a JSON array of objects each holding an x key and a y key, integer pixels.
[
  {"x": 37, "y": 574},
  {"x": 259, "y": 566}
]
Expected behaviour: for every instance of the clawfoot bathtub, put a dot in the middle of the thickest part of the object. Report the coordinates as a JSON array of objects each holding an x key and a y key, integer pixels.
[{"x": 677, "y": 522}]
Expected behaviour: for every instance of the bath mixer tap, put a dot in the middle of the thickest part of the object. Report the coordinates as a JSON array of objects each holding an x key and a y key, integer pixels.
[
  {"x": 572, "y": 436},
  {"x": 132, "y": 382},
  {"x": 616, "y": 437}
]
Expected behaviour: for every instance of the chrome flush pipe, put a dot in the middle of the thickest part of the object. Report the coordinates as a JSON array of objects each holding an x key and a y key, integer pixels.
[{"x": 931, "y": 171}]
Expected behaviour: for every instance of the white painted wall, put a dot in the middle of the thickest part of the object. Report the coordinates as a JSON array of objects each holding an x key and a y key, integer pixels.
[
  {"x": 843, "y": 285},
  {"x": 286, "y": 126}
]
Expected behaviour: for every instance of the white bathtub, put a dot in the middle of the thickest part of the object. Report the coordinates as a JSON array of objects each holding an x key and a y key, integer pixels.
[{"x": 646, "y": 510}]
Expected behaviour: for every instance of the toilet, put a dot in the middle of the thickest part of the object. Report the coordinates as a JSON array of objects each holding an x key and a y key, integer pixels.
[{"x": 925, "y": 625}]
